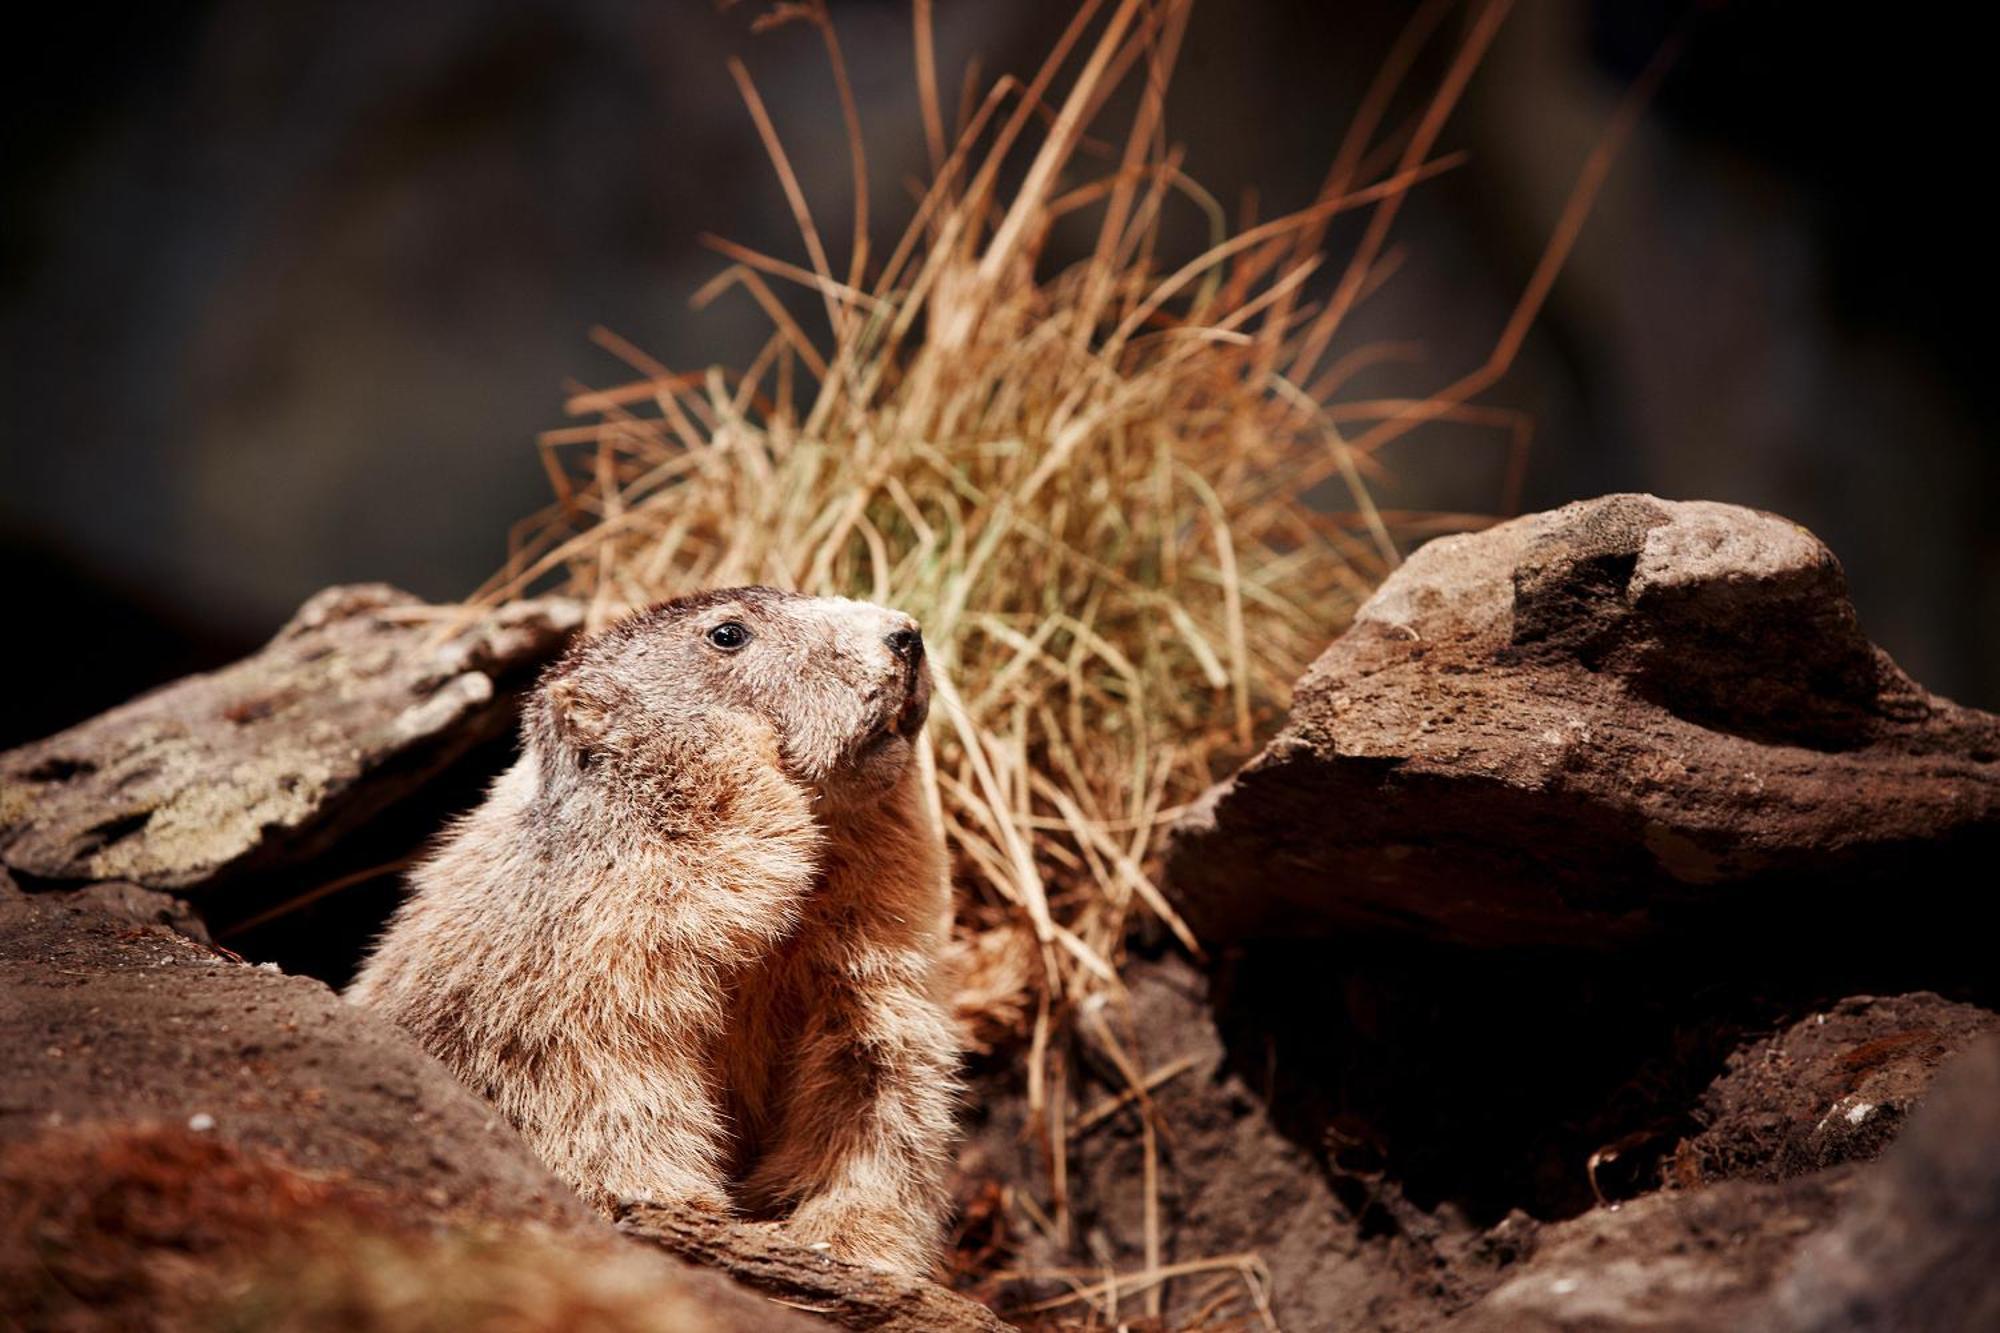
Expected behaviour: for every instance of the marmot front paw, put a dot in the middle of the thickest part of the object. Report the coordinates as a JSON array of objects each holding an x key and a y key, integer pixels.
[
  {"x": 860, "y": 1233},
  {"x": 707, "y": 1203}
]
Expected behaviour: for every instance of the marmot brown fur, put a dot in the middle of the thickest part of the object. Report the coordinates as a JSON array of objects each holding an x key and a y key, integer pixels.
[{"x": 690, "y": 943}]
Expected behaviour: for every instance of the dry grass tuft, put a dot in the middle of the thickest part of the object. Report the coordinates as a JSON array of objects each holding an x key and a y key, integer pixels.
[
  {"x": 1084, "y": 485},
  {"x": 1088, "y": 484}
]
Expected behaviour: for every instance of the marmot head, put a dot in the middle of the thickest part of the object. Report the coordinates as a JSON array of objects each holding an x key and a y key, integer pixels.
[{"x": 835, "y": 691}]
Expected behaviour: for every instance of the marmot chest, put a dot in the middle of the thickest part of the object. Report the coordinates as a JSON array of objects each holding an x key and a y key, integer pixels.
[{"x": 776, "y": 1007}]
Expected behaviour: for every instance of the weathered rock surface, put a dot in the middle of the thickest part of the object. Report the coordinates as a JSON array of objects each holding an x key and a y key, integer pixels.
[
  {"x": 847, "y": 1295},
  {"x": 1559, "y": 728},
  {"x": 1674, "y": 1263},
  {"x": 108, "y": 1016},
  {"x": 1917, "y": 1249},
  {"x": 366, "y": 694},
  {"x": 136, "y": 1226},
  {"x": 1836, "y": 1087},
  {"x": 1910, "y": 1243}
]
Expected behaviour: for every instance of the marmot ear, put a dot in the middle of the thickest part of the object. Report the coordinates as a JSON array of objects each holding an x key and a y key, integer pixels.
[{"x": 582, "y": 716}]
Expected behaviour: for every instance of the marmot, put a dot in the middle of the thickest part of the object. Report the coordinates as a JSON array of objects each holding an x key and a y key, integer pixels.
[{"x": 690, "y": 944}]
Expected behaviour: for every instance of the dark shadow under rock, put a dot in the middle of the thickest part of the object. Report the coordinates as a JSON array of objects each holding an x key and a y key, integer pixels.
[
  {"x": 1550, "y": 1081},
  {"x": 1394, "y": 1132},
  {"x": 1908, "y": 1244},
  {"x": 1232, "y": 1186}
]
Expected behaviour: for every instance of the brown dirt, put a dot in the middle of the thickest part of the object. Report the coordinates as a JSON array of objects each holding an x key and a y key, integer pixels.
[
  {"x": 1835, "y": 1087},
  {"x": 1917, "y": 1249},
  {"x": 1402, "y": 1142},
  {"x": 1231, "y": 1182}
]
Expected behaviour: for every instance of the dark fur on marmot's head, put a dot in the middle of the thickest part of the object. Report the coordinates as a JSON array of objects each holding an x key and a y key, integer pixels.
[{"x": 840, "y": 688}]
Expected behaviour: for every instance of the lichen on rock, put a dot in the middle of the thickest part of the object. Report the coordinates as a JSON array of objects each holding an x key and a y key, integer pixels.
[{"x": 365, "y": 694}]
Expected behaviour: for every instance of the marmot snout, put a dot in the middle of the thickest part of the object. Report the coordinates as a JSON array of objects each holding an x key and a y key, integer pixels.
[{"x": 689, "y": 944}]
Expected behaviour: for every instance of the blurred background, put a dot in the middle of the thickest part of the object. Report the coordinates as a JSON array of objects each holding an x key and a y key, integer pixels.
[{"x": 287, "y": 291}]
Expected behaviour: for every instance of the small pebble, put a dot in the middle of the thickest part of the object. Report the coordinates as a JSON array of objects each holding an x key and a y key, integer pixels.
[{"x": 201, "y": 1122}]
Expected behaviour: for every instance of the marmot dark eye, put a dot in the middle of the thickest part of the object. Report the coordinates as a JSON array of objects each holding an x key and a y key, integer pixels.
[{"x": 729, "y": 635}]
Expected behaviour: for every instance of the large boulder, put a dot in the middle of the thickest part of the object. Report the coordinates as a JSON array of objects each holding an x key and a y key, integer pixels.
[
  {"x": 364, "y": 696},
  {"x": 1569, "y": 725}
]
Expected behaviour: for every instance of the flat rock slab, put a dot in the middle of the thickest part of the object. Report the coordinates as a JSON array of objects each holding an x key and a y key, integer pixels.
[
  {"x": 1550, "y": 731},
  {"x": 365, "y": 695}
]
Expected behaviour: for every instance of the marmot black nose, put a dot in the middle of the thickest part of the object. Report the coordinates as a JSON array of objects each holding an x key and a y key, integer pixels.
[{"x": 907, "y": 644}]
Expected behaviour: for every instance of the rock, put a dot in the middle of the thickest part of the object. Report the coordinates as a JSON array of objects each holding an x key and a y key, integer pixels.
[
  {"x": 105, "y": 1018},
  {"x": 1917, "y": 1249},
  {"x": 1836, "y": 1087},
  {"x": 843, "y": 1294},
  {"x": 1567, "y": 726},
  {"x": 139, "y": 905},
  {"x": 1667, "y": 1263},
  {"x": 1910, "y": 1243},
  {"x": 137, "y": 1226},
  {"x": 365, "y": 695}
]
